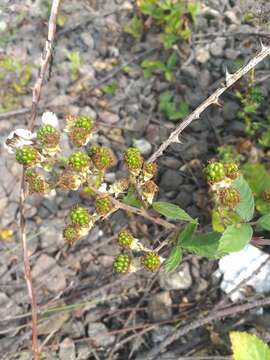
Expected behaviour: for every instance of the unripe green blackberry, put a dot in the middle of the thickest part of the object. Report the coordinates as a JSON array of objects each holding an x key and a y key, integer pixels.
[
  {"x": 103, "y": 205},
  {"x": 229, "y": 197},
  {"x": 87, "y": 193},
  {"x": 79, "y": 136},
  {"x": 101, "y": 157},
  {"x": 231, "y": 170},
  {"x": 71, "y": 233},
  {"x": 69, "y": 180},
  {"x": 84, "y": 122},
  {"x": 27, "y": 155},
  {"x": 48, "y": 136},
  {"x": 133, "y": 160},
  {"x": 151, "y": 261},
  {"x": 79, "y": 216},
  {"x": 36, "y": 182},
  {"x": 214, "y": 172},
  {"x": 125, "y": 239},
  {"x": 149, "y": 170},
  {"x": 79, "y": 161},
  {"x": 121, "y": 263}
]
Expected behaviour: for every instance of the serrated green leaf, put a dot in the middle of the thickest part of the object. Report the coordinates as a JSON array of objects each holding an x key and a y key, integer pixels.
[
  {"x": 172, "y": 61},
  {"x": 257, "y": 177},
  {"x": 174, "y": 259},
  {"x": 245, "y": 208},
  {"x": 248, "y": 347},
  {"x": 172, "y": 211},
  {"x": 235, "y": 238},
  {"x": 205, "y": 245},
  {"x": 186, "y": 234},
  {"x": 264, "y": 221}
]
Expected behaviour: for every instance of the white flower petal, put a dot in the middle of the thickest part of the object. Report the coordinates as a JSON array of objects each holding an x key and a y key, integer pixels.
[
  {"x": 50, "y": 118},
  {"x": 18, "y": 138}
]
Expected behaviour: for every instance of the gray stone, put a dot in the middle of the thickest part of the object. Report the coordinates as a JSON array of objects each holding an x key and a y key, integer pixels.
[
  {"x": 231, "y": 17},
  {"x": 67, "y": 350},
  {"x": 230, "y": 110},
  {"x": 143, "y": 145},
  {"x": 83, "y": 351},
  {"x": 8, "y": 307},
  {"x": 202, "y": 54},
  {"x": 177, "y": 280},
  {"x": 161, "y": 333},
  {"x": 51, "y": 238},
  {"x": 231, "y": 54},
  {"x": 108, "y": 117},
  {"x": 160, "y": 306},
  {"x": 9, "y": 215},
  {"x": 216, "y": 47},
  {"x": 184, "y": 197},
  {"x": 53, "y": 323},
  {"x": 88, "y": 40},
  {"x": 99, "y": 335},
  {"x": 48, "y": 274},
  {"x": 171, "y": 180}
]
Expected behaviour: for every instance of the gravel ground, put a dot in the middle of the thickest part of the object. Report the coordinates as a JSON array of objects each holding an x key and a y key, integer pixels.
[{"x": 84, "y": 308}]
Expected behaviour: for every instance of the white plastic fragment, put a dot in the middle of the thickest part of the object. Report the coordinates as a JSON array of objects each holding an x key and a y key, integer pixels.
[{"x": 239, "y": 266}]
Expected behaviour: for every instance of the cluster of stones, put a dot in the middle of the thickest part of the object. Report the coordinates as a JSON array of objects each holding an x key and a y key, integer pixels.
[
  {"x": 220, "y": 177},
  {"x": 124, "y": 262}
]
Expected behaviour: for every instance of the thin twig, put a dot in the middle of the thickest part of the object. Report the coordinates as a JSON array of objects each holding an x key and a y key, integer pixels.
[
  {"x": 45, "y": 58},
  {"x": 230, "y": 80},
  {"x": 203, "y": 321}
]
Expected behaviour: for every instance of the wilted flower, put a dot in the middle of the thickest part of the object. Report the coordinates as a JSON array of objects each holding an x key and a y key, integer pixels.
[
  {"x": 50, "y": 118},
  {"x": 19, "y": 138}
]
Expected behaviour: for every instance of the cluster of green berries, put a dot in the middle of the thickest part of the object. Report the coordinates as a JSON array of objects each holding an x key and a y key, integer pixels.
[
  {"x": 71, "y": 233},
  {"x": 214, "y": 172},
  {"x": 48, "y": 136},
  {"x": 133, "y": 160},
  {"x": 229, "y": 197},
  {"x": 79, "y": 216},
  {"x": 84, "y": 122},
  {"x": 103, "y": 205},
  {"x": 121, "y": 263},
  {"x": 231, "y": 170},
  {"x": 81, "y": 130},
  {"x": 79, "y": 161},
  {"x": 125, "y": 239},
  {"x": 101, "y": 157},
  {"x": 27, "y": 155},
  {"x": 151, "y": 261}
]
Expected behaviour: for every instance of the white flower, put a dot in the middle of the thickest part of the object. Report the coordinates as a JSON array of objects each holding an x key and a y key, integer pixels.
[
  {"x": 18, "y": 138},
  {"x": 49, "y": 118}
]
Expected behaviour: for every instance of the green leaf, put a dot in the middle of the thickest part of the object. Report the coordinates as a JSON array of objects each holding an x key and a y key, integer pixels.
[
  {"x": 248, "y": 347},
  {"x": 186, "y": 233},
  {"x": 172, "y": 61},
  {"x": 131, "y": 199},
  {"x": 172, "y": 211},
  {"x": 221, "y": 218},
  {"x": 257, "y": 177},
  {"x": 134, "y": 27},
  {"x": 174, "y": 259},
  {"x": 182, "y": 113},
  {"x": 245, "y": 208},
  {"x": 264, "y": 221},
  {"x": 205, "y": 245},
  {"x": 111, "y": 88},
  {"x": 235, "y": 238}
]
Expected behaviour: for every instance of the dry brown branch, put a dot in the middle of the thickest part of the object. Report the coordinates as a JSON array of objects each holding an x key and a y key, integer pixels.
[
  {"x": 230, "y": 80},
  {"x": 45, "y": 59},
  {"x": 152, "y": 354}
]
